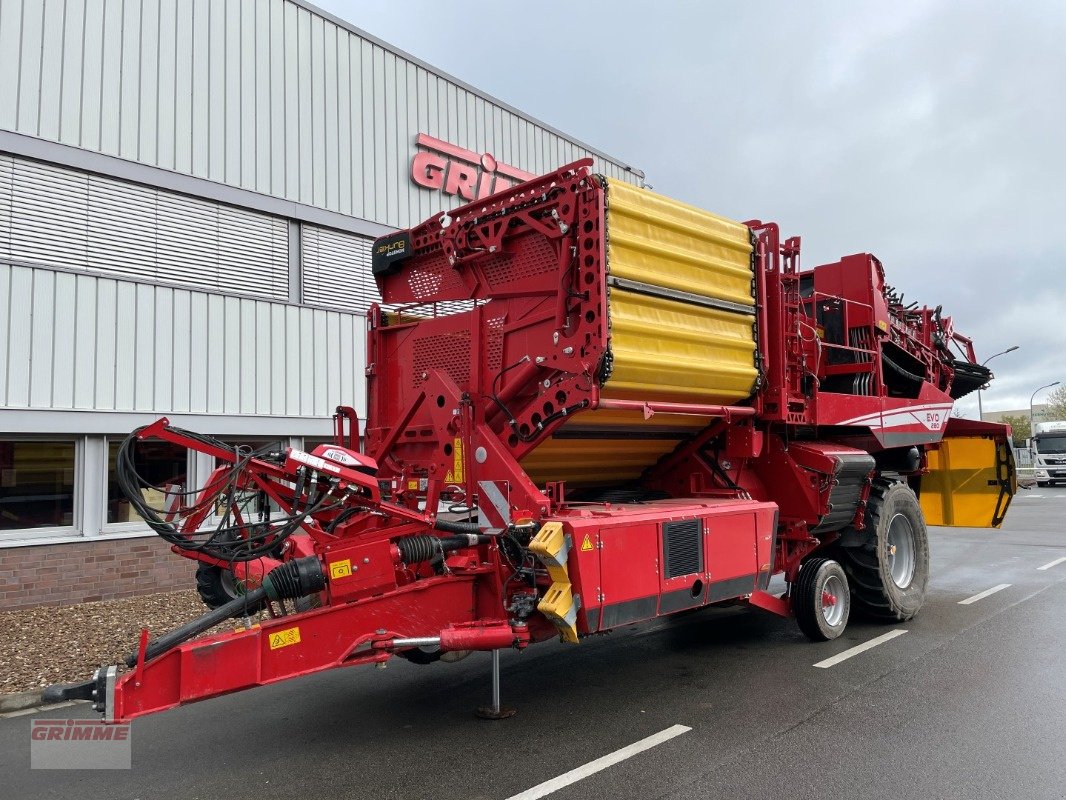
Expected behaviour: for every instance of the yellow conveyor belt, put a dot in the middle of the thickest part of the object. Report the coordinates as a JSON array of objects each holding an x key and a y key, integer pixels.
[{"x": 682, "y": 330}]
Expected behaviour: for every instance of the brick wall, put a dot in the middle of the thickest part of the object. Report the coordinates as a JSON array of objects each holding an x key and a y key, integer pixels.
[{"x": 61, "y": 574}]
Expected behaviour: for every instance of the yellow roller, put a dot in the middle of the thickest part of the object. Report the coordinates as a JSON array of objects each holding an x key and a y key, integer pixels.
[{"x": 681, "y": 283}]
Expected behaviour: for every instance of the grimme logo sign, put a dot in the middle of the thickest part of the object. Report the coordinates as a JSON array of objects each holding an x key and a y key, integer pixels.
[
  {"x": 457, "y": 171},
  {"x": 79, "y": 744}
]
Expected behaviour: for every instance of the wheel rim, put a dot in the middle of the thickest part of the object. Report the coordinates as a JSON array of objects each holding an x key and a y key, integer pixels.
[
  {"x": 900, "y": 546},
  {"x": 833, "y": 599},
  {"x": 231, "y": 586}
]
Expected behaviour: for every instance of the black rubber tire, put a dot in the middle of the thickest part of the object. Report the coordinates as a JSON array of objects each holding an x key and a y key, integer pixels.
[
  {"x": 418, "y": 655},
  {"x": 807, "y": 599},
  {"x": 215, "y": 592},
  {"x": 866, "y": 561}
]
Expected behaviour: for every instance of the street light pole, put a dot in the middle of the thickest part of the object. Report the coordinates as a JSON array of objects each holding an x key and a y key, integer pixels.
[
  {"x": 980, "y": 408},
  {"x": 1032, "y": 423}
]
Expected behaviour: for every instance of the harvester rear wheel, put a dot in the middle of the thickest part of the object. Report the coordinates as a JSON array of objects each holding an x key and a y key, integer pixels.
[
  {"x": 820, "y": 599},
  {"x": 431, "y": 655},
  {"x": 888, "y": 561},
  {"x": 421, "y": 655},
  {"x": 217, "y": 586}
]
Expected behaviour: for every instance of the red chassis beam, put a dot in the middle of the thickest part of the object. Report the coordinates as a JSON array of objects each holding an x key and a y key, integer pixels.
[{"x": 361, "y": 632}]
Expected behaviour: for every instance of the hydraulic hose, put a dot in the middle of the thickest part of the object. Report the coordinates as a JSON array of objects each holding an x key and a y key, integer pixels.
[
  {"x": 293, "y": 579},
  {"x": 449, "y": 526},
  {"x": 213, "y": 617}
]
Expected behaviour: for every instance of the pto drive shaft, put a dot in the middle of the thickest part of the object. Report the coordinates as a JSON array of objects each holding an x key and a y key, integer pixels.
[{"x": 293, "y": 579}]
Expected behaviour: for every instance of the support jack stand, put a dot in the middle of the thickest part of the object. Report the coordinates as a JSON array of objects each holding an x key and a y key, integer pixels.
[{"x": 496, "y": 711}]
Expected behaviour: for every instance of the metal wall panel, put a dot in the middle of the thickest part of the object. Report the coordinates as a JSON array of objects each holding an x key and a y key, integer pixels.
[
  {"x": 90, "y": 342},
  {"x": 49, "y": 214},
  {"x": 336, "y": 269},
  {"x": 6, "y": 167},
  {"x": 265, "y": 95},
  {"x": 61, "y": 217}
]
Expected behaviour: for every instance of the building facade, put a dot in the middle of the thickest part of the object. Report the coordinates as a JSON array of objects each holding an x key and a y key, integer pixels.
[
  {"x": 188, "y": 194},
  {"x": 1039, "y": 411}
]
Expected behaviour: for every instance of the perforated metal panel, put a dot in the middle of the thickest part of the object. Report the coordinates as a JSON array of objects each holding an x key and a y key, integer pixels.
[
  {"x": 494, "y": 328},
  {"x": 429, "y": 279},
  {"x": 537, "y": 258},
  {"x": 449, "y": 353}
]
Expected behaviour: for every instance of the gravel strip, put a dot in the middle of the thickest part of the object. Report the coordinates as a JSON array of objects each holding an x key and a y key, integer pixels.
[{"x": 46, "y": 645}]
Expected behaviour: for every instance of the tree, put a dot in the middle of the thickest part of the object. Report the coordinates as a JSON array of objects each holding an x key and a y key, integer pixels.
[
  {"x": 1020, "y": 428},
  {"x": 1056, "y": 404}
]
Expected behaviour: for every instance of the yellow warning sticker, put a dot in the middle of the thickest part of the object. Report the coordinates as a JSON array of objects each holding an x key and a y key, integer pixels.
[
  {"x": 340, "y": 569},
  {"x": 284, "y": 638},
  {"x": 457, "y": 468},
  {"x": 586, "y": 544},
  {"x": 412, "y": 485}
]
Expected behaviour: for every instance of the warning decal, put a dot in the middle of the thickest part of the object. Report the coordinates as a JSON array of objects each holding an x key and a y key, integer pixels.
[
  {"x": 340, "y": 569},
  {"x": 284, "y": 638},
  {"x": 455, "y": 474},
  {"x": 586, "y": 544},
  {"x": 457, "y": 451}
]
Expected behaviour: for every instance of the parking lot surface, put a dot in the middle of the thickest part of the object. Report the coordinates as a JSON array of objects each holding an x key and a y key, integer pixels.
[{"x": 967, "y": 700}]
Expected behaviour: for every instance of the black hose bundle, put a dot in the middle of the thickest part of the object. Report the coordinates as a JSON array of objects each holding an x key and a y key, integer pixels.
[
  {"x": 229, "y": 539},
  {"x": 450, "y": 526},
  {"x": 291, "y": 580}
]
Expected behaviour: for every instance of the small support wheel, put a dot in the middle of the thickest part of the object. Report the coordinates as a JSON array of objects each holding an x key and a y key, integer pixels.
[
  {"x": 821, "y": 600},
  {"x": 217, "y": 586}
]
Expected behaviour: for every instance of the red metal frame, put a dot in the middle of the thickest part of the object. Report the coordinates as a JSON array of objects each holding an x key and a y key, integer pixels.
[{"x": 493, "y": 334}]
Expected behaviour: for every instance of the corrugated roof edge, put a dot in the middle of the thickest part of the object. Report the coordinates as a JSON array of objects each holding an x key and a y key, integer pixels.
[{"x": 442, "y": 74}]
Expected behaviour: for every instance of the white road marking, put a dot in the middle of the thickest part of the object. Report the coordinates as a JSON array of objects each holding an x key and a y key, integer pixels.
[
  {"x": 1051, "y": 564},
  {"x": 860, "y": 648},
  {"x": 984, "y": 594},
  {"x": 1032, "y": 495},
  {"x": 601, "y": 763}
]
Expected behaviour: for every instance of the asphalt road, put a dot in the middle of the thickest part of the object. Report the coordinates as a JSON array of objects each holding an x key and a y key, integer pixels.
[{"x": 969, "y": 703}]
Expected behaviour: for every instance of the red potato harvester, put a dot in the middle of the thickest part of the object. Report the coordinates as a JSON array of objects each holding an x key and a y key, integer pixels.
[{"x": 589, "y": 406}]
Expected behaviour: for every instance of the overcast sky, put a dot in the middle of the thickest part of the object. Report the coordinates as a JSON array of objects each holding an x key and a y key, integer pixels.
[{"x": 929, "y": 134}]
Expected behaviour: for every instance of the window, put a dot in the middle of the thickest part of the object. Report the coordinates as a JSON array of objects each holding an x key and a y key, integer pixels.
[
  {"x": 249, "y": 446},
  {"x": 249, "y": 501},
  {"x": 160, "y": 464},
  {"x": 36, "y": 484}
]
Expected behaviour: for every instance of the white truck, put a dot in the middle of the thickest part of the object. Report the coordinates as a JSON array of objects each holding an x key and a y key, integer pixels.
[{"x": 1048, "y": 447}]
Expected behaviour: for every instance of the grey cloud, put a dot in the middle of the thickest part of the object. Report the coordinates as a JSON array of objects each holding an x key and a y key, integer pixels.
[{"x": 930, "y": 134}]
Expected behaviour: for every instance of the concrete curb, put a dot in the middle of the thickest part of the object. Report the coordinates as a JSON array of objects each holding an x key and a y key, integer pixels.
[{"x": 19, "y": 701}]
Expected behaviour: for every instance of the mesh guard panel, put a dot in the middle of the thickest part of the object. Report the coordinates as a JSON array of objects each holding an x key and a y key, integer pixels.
[
  {"x": 449, "y": 353},
  {"x": 683, "y": 547}
]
